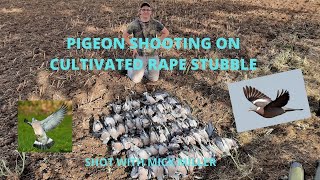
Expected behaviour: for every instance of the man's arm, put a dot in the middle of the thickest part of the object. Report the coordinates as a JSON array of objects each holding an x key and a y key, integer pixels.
[
  {"x": 126, "y": 35},
  {"x": 164, "y": 33}
]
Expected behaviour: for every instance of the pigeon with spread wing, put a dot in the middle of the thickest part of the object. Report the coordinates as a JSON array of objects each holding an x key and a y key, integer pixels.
[
  {"x": 264, "y": 105},
  {"x": 41, "y": 127}
]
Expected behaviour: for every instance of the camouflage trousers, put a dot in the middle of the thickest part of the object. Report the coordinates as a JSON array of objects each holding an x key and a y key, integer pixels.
[{"x": 137, "y": 75}]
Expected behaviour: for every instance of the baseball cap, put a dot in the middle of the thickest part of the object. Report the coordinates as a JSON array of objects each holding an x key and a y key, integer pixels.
[{"x": 145, "y": 4}]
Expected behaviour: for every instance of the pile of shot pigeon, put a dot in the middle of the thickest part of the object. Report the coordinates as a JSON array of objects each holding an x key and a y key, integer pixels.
[{"x": 159, "y": 126}]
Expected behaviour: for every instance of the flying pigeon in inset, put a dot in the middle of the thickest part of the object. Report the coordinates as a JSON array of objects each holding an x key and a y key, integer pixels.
[
  {"x": 41, "y": 127},
  {"x": 265, "y": 106}
]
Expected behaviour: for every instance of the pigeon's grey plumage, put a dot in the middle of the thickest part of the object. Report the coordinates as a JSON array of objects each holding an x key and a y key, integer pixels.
[
  {"x": 135, "y": 104},
  {"x": 176, "y": 113},
  {"x": 160, "y": 108},
  {"x": 166, "y": 132},
  {"x": 231, "y": 143},
  {"x": 117, "y": 147},
  {"x": 41, "y": 127},
  {"x": 135, "y": 172},
  {"x": 172, "y": 100},
  {"x": 160, "y": 96},
  {"x": 127, "y": 106},
  {"x": 145, "y": 122},
  {"x": 137, "y": 112},
  {"x": 154, "y": 137},
  {"x": 145, "y": 137},
  {"x": 142, "y": 153},
  {"x": 197, "y": 136},
  {"x": 132, "y": 155},
  {"x": 116, "y": 107},
  {"x": 157, "y": 172},
  {"x": 150, "y": 111},
  {"x": 224, "y": 144},
  {"x": 183, "y": 155},
  {"x": 177, "y": 139},
  {"x": 198, "y": 154},
  {"x": 171, "y": 171},
  {"x": 150, "y": 99},
  {"x": 126, "y": 142},
  {"x": 152, "y": 150},
  {"x": 210, "y": 130},
  {"x": 265, "y": 106},
  {"x": 215, "y": 149},
  {"x": 192, "y": 123},
  {"x": 203, "y": 133},
  {"x": 189, "y": 140},
  {"x": 109, "y": 121},
  {"x": 118, "y": 118},
  {"x": 162, "y": 148},
  {"x": 173, "y": 146},
  {"x": 156, "y": 119},
  {"x": 105, "y": 136},
  {"x": 182, "y": 170},
  {"x": 205, "y": 152},
  {"x": 144, "y": 111},
  {"x": 144, "y": 173},
  {"x": 121, "y": 129},
  {"x": 183, "y": 125},
  {"x": 162, "y": 135},
  {"x": 113, "y": 132},
  {"x": 188, "y": 155},
  {"x": 130, "y": 124},
  {"x": 138, "y": 123},
  {"x": 96, "y": 127},
  {"x": 167, "y": 106},
  {"x": 136, "y": 141},
  {"x": 175, "y": 129}
]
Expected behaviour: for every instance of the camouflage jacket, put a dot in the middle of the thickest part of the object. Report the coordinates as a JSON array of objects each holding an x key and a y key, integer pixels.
[{"x": 145, "y": 30}]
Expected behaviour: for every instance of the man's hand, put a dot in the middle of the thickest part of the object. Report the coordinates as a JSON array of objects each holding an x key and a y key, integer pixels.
[
  {"x": 125, "y": 35},
  {"x": 134, "y": 53},
  {"x": 164, "y": 33}
]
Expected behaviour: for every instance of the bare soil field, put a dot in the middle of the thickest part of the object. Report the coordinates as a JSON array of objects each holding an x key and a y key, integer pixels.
[{"x": 282, "y": 35}]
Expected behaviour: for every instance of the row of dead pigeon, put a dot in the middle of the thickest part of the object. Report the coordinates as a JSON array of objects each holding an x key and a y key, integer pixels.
[{"x": 159, "y": 126}]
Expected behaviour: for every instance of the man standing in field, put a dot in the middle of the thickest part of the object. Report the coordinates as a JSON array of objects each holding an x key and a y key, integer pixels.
[{"x": 145, "y": 27}]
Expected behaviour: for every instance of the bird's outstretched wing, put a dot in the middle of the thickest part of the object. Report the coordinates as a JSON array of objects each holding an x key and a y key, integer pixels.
[
  {"x": 256, "y": 97},
  {"x": 281, "y": 100},
  {"x": 54, "y": 119}
]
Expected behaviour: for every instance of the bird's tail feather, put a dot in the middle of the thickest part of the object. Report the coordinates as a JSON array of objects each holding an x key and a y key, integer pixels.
[
  {"x": 26, "y": 121},
  {"x": 291, "y": 109},
  {"x": 42, "y": 146}
]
